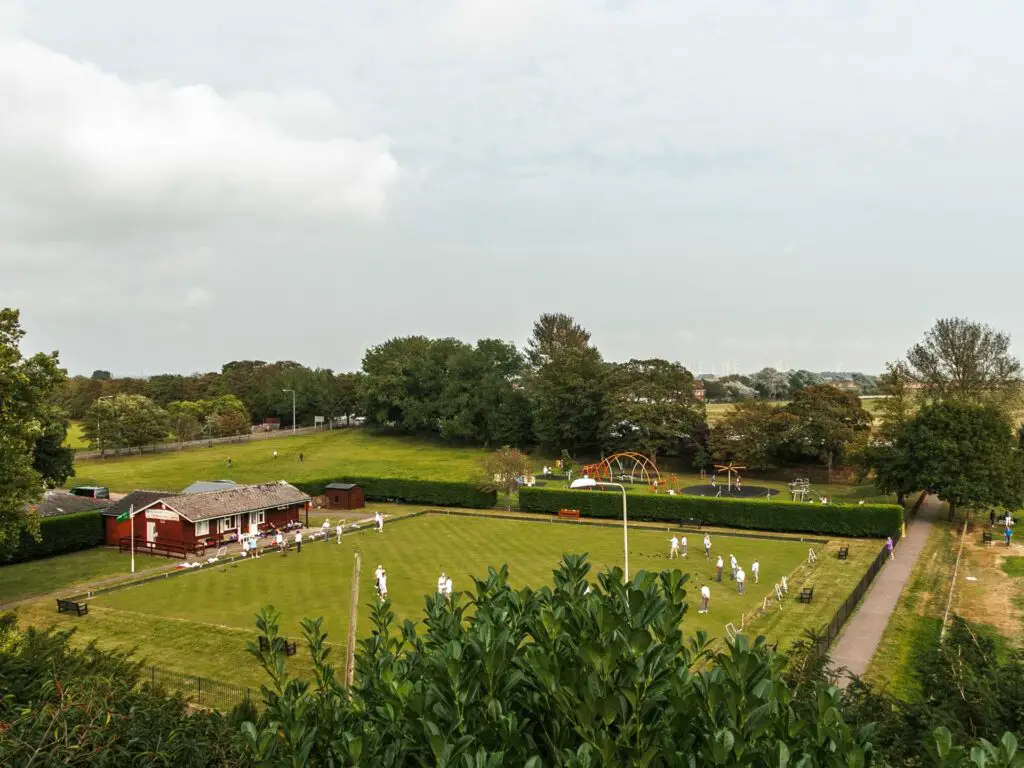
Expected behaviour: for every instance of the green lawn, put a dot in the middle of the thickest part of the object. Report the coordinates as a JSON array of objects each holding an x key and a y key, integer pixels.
[
  {"x": 833, "y": 581},
  {"x": 58, "y": 573},
  {"x": 327, "y": 454},
  {"x": 75, "y": 437},
  {"x": 199, "y": 622},
  {"x": 1013, "y": 567}
]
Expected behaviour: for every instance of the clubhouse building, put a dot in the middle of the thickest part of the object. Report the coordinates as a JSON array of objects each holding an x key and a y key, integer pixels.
[{"x": 205, "y": 518}]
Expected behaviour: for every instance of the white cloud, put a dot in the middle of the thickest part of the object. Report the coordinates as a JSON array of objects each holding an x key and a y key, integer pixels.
[
  {"x": 80, "y": 143},
  {"x": 196, "y": 297}
]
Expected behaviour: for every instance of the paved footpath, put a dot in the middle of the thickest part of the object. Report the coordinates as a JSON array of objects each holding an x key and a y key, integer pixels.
[{"x": 864, "y": 631}]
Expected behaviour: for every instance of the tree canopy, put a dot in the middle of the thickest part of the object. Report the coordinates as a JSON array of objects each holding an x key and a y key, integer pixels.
[{"x": 32, "y": 430}]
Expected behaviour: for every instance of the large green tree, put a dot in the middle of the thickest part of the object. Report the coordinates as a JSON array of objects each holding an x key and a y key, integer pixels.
[
  {"x": 964, "y": 453},
  {"x": 825, "y": 423},
  {"x": 959, "y": 359},
  {"x": 652, "y": 407},
  {"x": 748, "y": 435},
  {"x": 566, "y": 383},
  {"x": 125, "y": 421},
  {"x": 29, "y": 425}
]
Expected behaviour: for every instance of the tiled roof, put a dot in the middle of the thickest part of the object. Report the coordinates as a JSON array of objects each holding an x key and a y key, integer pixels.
[
  {"x": 137, "y": 499},
  {"x": 234, "y": 500},
  {"x": 56, "y": 503},
  {"x": 341, "y": 486}
]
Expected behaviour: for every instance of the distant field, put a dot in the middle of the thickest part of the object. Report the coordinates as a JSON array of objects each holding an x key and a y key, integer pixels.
[
  {"x": 75, "y": 438},
  {"x": 335, "y": 453}
]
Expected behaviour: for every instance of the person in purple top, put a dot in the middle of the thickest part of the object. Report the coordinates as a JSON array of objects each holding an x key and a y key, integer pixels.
[{"x": 888, "y": 546}]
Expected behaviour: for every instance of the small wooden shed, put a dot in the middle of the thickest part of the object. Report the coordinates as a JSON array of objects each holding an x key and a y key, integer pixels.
[{"x": 344, "y": 496}]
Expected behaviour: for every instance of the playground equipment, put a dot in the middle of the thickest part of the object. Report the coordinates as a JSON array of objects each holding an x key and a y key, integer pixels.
[
  {"x": 729, "y": 469},
  {"x": 800, "y": 488},
  {"x": 625, "y": 467}
]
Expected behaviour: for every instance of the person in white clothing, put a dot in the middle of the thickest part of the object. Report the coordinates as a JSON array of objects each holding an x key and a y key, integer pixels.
[
  {"x": 298, "y": 541},
  {"x": 326, "y": 528},
  {"x": 755, "y": 568},
  {"x": 245, "y": 547},
  {"x": 741, "y": 578},
  {"x": 673, "y": 547},
  {"x": 377, "y": 575},
  {"x": 378, "y": 518},
  {"x": 705, "y": 598},
  {"x": 448, "y": 587},
  {"x": 279, "y": 540},
  {"x": 383, "y": 585},
  {"x": 682, "y": 545},
  {"x": 707, "y": 546},
  {"x": 339, "y": 528},
  {"x": 718, "y": 569},
  {"x": 441, "y": 582},
  {"x": 732, "y": 566}
]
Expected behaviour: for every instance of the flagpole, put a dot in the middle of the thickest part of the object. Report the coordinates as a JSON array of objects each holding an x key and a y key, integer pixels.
[{"x": 131, "y": 516}]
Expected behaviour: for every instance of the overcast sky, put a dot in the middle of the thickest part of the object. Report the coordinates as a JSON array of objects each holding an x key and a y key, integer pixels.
[{"x": 732, "y": 185}]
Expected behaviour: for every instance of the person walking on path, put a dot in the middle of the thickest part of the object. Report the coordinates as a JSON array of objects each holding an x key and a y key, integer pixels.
[
  {"x": 755, "y": 568},
  {"x": 741, "y": 579},
  {"x": 705, "y": 598},
  {"x": 719, "y": 565},
  {"x": 888, "y": 547},
  {"x": 707, "y": 546},
  {"x": 1008, "y": 534},
  {"x": 298, "y": 541},
  {"x": 673, "y": 550},
  {"x": 378, "y": 520}
]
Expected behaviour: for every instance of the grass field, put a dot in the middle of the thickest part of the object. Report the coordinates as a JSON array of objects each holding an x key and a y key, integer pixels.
[
  {"x": 75, "y": 438},
  {"x": 200, "y": 622},
  {"x": 39, "y": 577},
  {"x": 327, "y": 454}
]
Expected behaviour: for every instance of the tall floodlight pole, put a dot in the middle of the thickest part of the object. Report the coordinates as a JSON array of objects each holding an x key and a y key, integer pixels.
[{"x": 293, "y": 407}]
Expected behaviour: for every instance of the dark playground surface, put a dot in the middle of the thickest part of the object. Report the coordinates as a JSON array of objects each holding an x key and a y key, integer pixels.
[{"x": 744, "y": 492}]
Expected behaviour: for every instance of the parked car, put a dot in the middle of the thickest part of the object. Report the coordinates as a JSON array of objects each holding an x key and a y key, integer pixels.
[{"x": 91, "y": 491}]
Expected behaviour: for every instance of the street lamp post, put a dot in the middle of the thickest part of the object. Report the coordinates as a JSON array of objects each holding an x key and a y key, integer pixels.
[
  {"x": 586, "y": 482},
  {"x": 293, "y": 407}
]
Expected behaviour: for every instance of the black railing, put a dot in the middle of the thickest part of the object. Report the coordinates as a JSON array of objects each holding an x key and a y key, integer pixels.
[
  {"x": 849, "y": 605},
  {"x": 201, "y": 691}
]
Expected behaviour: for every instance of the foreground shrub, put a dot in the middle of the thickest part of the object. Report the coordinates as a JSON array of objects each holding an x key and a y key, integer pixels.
[
  {"x": 868, "y": 520},
  {"x": 62, "y": 706}
]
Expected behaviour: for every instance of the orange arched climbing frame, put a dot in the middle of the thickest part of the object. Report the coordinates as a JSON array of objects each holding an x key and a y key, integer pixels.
[{"x": 625, "y": 467}]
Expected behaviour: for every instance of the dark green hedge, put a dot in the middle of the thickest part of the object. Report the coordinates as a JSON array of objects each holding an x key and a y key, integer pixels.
[
  {"x": 60, "y": 534},
  {"x": 446, "y": 494},
  {"x": 870, "y": 520}
]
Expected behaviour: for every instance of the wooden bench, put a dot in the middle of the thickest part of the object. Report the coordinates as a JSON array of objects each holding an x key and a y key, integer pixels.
[
  {"x": 844, "y": 552},
  {"x": 289, "y": 648},
  {"x": 70, "y": 606},
  {"x": 987, "y": 536},
  {"x": 569, "y": 514},
  {"x": 806, "y": 594}
]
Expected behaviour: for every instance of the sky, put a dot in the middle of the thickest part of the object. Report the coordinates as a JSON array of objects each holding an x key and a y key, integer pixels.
[{"x": 731, "y": 185}]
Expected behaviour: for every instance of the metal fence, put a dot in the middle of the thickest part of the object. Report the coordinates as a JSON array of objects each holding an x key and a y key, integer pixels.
[
  {"x": 850, "y": 604},
  {"x": 201, "y": 691}
]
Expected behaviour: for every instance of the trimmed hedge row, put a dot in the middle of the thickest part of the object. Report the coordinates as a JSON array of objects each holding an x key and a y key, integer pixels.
[
  {"x": 866, "y": 520},
  {"x": 442, "y": 493},
  {"x": 60, "y": 534}
]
